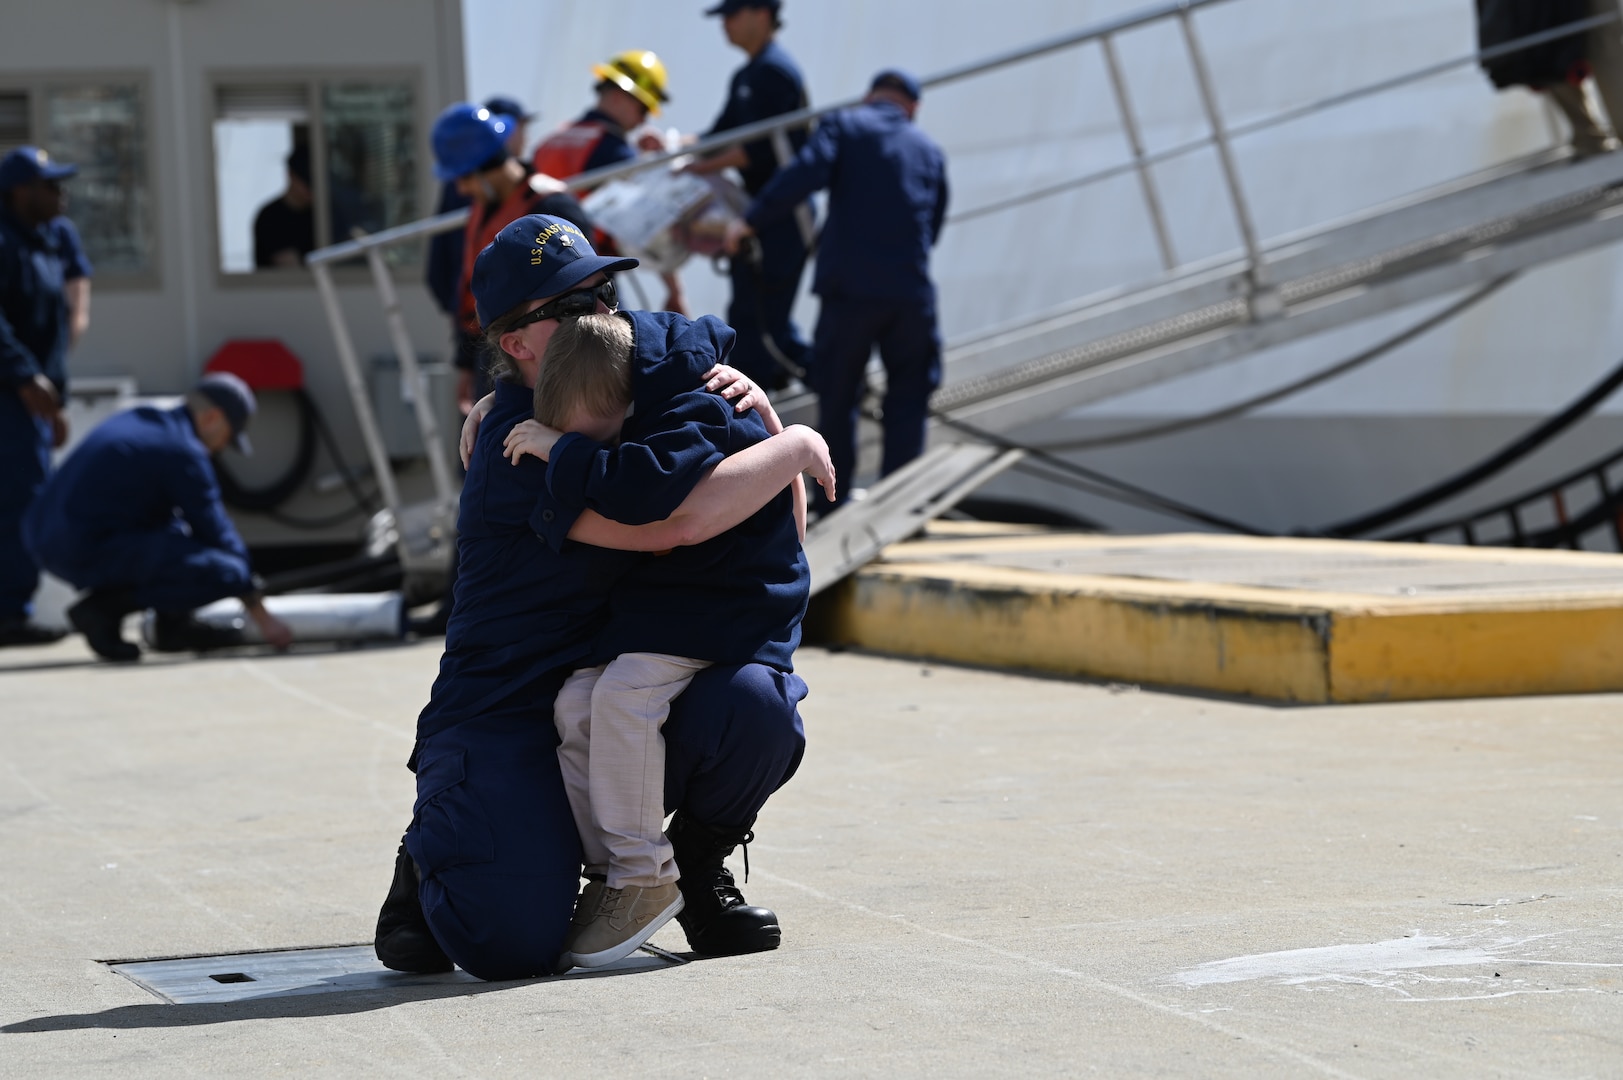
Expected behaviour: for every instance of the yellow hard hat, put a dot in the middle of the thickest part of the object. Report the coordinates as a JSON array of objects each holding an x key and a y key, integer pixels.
[{"x": 639, "y": 73}]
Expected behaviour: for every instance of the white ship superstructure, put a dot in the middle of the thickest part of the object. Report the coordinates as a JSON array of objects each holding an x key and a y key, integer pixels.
[{"x": 175, "y": 95}]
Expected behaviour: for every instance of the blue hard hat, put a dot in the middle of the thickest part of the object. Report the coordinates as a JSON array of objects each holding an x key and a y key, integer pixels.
[
  {"x": 532, "y": 258},
  {"x": 468, "y": 139}
]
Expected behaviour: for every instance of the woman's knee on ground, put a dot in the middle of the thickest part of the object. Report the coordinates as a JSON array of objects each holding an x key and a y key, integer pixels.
[{"x": 496, "y": 924}]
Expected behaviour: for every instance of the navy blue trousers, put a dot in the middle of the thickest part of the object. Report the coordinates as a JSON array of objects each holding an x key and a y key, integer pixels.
[
  {"x": 768, "y": 294},
  {"x": 166, "y": 569},
  {"x": 25, "y": 458},
  {"x": 910, "y": 348},
  {"x": 494, "y": 837}
]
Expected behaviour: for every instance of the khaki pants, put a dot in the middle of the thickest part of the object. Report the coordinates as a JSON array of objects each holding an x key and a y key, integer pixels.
[
  {"x": 613, "y": 761},
  {"x": 1588, "y": 133},
  {"x": 1606, "y": 58}
]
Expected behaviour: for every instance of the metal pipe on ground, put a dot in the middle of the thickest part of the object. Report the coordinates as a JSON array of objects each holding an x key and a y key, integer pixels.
[{"x": 342, "y": 617}]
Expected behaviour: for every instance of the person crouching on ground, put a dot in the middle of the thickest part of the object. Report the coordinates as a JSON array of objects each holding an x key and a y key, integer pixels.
[
  {"x": 609, "y": 715},
  {"x": 134, "y": 515}
]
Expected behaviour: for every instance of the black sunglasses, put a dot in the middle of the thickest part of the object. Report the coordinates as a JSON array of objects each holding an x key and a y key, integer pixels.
[{"x": 572, "y": 304}]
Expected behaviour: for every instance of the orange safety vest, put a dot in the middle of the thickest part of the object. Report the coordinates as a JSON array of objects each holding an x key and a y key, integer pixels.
[
  {"x": 564, "y": 153},
  {"x": 479, "y": 232}
]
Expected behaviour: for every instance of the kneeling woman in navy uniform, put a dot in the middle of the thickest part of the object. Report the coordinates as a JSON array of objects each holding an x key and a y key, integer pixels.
[{"x": 488, "y": 874}]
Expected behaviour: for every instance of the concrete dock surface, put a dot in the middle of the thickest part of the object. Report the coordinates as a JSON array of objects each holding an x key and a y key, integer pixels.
[{"x": 978, "y": 874}]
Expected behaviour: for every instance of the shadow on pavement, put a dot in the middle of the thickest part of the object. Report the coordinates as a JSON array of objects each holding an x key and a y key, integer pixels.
[{"x": 287, "y": 1005}]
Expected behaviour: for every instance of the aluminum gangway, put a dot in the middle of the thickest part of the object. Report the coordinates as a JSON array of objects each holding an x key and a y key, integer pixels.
[{"x": 1469, "y": 232}]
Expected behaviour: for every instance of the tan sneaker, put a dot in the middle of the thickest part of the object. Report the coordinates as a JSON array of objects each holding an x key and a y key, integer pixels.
[
  {"x": 625, "y": 918},
  {"x": 585, "y": 907}
]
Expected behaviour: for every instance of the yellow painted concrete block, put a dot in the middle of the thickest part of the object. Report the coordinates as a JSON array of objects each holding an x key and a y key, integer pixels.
[
  {"x": 1071, "y": 630},
  {"x": 1393, "y": 655},
  {"x": 1280, "y": 643}
]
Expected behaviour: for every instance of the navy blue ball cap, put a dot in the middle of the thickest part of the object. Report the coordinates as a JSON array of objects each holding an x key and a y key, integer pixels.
[
  {"x": 727, "y": 7},
  {"x": 502, "y": 105},
  {"x": 898, "y": 80},
  {"x": 233, "y": 397},
  {"x": 29, "y": 163},
  {"x": 533, "y": 258}
]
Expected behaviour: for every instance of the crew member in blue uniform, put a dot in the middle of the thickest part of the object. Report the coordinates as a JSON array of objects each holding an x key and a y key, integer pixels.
[
  {"x": 443, "y": 274},
  {"x": 764, "y": 278},
  {"x": 488, "y": 873},
  {"x": 134, "y": 516},
  {"x": 39, "y": 259},
  {"x": 631, "y": 87},
  {"x": 887, "y": 185}
]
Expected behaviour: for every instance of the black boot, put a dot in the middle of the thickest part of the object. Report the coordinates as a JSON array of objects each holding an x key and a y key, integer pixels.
[
  {"x": 715, "y": 917},
  {"x": 182, "y": 632},
  {"x": 99, "y": 617},
  {"x": 20, "y": 631},
  {"x": 403, "y": 940}
]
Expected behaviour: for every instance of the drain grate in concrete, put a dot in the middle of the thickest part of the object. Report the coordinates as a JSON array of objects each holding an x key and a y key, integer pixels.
[{"x": 246, "y": 976}]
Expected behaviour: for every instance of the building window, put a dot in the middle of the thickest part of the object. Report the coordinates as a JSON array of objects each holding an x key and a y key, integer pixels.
[
  {"x": 302, "y": 164},
  {"x": 100, "y": 127}
]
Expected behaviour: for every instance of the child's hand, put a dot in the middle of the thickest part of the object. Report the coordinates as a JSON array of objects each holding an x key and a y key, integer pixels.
[
  {"x": 470, "y": 427},
  {"x": 530, "y": 437}
]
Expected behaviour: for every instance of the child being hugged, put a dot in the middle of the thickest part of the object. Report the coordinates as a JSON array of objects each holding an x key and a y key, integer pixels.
[{"x": 737, "y": 598}]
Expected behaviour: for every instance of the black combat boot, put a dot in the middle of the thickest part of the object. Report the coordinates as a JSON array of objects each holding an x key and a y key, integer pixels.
[
  {"x": 20, "y": 631},
  {"x": 99, "y": 617},
  {"x": 403, "y": 941},
  {"x": 715, "y": 917},
  {"x": 181, "y": 631}
]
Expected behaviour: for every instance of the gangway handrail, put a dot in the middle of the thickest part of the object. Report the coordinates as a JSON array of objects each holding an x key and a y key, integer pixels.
[
  {"x": 440, "y": 223},
  {"x": 1261, "y": 301},
  {"x": 1286, "y": 116},
  {"x": 784, "y": 122}
]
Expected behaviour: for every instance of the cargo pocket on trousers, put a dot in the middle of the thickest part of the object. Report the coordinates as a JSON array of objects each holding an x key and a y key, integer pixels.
[{"x": 451, "y": 824}]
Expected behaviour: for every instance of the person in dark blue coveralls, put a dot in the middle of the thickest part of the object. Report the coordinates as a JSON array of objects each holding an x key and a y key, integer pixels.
[
  {"x": 40, "y": 258},
  {"x": 887, "y": 185},
  {"x": 488, "y": 873},
  {"x": 443, "y": 273},
  {"x": 134, "y": 516},
  {"x": 764, "y": 291}
]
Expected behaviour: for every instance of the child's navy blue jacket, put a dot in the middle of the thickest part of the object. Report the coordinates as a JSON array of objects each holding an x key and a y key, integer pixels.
[
  {"x": 737, "y": 598},
  {"x": 525, "y": 614}
]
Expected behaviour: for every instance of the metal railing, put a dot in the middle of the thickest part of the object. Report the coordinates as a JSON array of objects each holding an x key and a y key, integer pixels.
[{"x": 1260, "y": 301}]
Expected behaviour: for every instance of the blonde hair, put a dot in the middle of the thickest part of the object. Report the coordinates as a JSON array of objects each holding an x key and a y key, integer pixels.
[
  {"x": 587, "y": 364},
  {"x": 499, "y": 363}
]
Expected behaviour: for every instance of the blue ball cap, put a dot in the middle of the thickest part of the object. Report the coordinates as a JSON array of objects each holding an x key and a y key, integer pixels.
[
  {"x": 233, "y": 397},
  {"x": 535, "y": 257},
  {"x": 727, "y": 7},
  {"x": 27, "y": 163},
  {"x": 898, "y": 80},
  {"x": 502, "y": 105}
]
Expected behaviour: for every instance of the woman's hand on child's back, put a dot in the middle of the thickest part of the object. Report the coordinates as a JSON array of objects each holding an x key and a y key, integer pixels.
[
  {"x": 531, "y": 437},
  {"x": 470, "y": 427},
  {"x": 738, "y": 388}
]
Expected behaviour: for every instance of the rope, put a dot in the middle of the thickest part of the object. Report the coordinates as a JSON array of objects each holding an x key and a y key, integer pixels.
[
  {"x": 1503, "y": 459},
  {"x": 1228, "y": 412}
]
